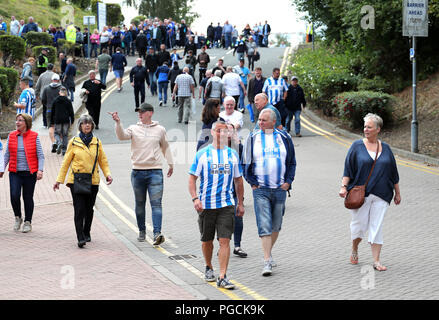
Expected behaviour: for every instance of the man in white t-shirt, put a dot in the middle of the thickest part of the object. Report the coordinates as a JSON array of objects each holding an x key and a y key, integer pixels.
[
  {"x": 231, "y": 83},
  {"x": 230, "y": 115}
]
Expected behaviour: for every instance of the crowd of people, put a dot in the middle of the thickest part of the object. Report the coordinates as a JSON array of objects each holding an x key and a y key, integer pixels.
[{"x": 265, "y": 159}]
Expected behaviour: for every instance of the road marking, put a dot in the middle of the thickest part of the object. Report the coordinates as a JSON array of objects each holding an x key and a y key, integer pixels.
[
  {"x": 229, "y": 52},
  {"x": 287, "y": 53}
]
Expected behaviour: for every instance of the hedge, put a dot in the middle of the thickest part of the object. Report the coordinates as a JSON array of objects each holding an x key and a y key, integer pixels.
[
  {"x": 4, "y": 89},
  {"x": 34, "y": 39},
  {"x": 12, "y": 80},
  {"x": 13, "y": 48},
  {"x": 51, "y": 53},
  {"x": 351, "y": 107},
  {"x": 67, "y": 47}
]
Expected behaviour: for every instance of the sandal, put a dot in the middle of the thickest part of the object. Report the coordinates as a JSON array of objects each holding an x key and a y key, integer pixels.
[
  {"x": 379, "y": 267},
  {"x": 354, "y": 257}
]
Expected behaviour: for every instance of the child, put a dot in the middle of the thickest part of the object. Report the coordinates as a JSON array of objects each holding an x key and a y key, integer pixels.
[{"x": 62, "y": 116}]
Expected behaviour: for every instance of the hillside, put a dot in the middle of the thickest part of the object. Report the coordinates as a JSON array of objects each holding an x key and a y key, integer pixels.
[{"x": 43, "y": 14}]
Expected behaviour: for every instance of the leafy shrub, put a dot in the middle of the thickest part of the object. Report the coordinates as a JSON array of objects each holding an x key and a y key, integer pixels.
[
  {"x": 323, "y": 74},
  {"x": 3, "y": 89},
  {"x": 2, "y": 32},
  {"x": 351, "y": 107},
  {"x": 34, "y": 39},
  {"x": 375, "y": 84},
  {"x": 51, "y": 52},
  {"x": 54, "y": 4},
  {"x": 67, "y": 47},
  {"x": 12, "y": 47},
  {"x": 12, "y": 80}
]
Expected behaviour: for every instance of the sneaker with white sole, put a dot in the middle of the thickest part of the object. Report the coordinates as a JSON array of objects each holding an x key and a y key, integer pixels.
[
  {"x": 158, "y": 239},
  {"x": 27, "y": 227},
  {"x": 268, "y": 269},
  {"x": 225, "y": 283},
  {"x": 273, "y": 264},
  {"x": 209, "y": 275},
  {"x": 18, "y": 222},
  {"x": 142, "y": 236}
]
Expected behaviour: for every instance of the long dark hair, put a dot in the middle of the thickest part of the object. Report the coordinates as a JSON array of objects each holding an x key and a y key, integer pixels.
[{"x": 210, "y": 111}]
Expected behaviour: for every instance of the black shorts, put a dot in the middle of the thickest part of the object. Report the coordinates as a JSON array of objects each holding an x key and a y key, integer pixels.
[{"x": 221, "y": 220}]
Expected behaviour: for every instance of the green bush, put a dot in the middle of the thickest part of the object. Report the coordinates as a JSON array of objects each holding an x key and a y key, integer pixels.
[
  {"x": 54, "y": 4},
  {"x": 67, "y": 47},
  {"x": 51, "y": 53},
  {"x": 3, "y": 89},
  {"x": 351, "y": 107},
  {"x": 2, "y": 32},
  {"x": 13, "y": 48},
  {"x": 375, "y": 84},
  {"x": 12, "y": 80},
  {"x": 34, "y": 39},
  {"x": 323, "y": 74}
]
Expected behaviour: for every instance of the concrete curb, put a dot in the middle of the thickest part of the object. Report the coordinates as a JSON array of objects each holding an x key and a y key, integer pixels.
[{"x": 399, "y": 152}]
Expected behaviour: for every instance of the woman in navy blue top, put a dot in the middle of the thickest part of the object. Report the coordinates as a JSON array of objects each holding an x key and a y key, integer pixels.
[{"x": 380, "y": 188}]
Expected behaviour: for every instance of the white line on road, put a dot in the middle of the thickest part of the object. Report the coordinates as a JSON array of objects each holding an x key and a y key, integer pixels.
[{"x": 229, "y": 52}]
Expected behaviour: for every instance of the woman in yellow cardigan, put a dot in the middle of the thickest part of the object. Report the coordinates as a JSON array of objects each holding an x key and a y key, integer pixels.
[{"x": 80, "y": 157}]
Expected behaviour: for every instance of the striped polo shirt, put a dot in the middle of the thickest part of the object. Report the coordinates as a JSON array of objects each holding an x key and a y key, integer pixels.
[
  {"x": 216, "y": 169},
  {"x": 275, "y": 88},
  {"x": 27, "y": 98}
]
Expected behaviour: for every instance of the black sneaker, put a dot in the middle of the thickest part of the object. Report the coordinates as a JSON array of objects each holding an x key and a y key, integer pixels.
[
  {"x": 158, "y": 239},
  {"x": 58, "y": 149},
  {"x": 239, "y": 252},
  {"x": 225, "y": 283},
  {"x": 54, "y": 147},
  {"x": 141, "y": 237}
]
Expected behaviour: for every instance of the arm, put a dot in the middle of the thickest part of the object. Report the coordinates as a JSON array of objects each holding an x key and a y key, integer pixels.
[
  {"x": 40, "y": 155},
  {"x": 65, "y": 165},
  {"x": 103, "y": 163},
  {"x": 192, "y": 185},
  {"x": 164, "y": 145},
  {"x": 239, "y": 187}
]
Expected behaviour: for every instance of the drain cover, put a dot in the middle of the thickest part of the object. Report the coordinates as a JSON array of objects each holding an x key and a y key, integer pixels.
[{"x": 182, "y": 257}]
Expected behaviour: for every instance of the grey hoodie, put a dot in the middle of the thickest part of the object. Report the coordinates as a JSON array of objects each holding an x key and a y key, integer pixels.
[{"x": 49, "y": 94}]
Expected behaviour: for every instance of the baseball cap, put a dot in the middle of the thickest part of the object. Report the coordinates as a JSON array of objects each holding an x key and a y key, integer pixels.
[
  {"x": 55, "y": 77},
  {"x": 242, "y": 59},
  {"x": 146, "y": 107},
  {"x": 294, "y": 78}
]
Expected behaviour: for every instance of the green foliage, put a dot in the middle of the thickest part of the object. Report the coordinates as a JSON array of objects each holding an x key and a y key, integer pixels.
[
  {"x": 83, "y": 4},
  {"x": 54, "y": 4},
  {"x": 3, "y": 88},
  {"x": 376, "y": 84},
  {"x": 2, "y": 33},
  {"x": 34, "y": 39},
  {"x": 351, "y": 107},
  {"x": 137, "y": 20},
  {"x": 323, "y": 73},
  {"x": 114, "y": 14},
  {"x": 51, "y": 53},
  {"x": 279, "y": 38},
  {"x": 12, "y": 47},
  {"x": 12, "y": 80},
  {"x": 67, "y": 47},
  {"x": 175, "y": 9}
]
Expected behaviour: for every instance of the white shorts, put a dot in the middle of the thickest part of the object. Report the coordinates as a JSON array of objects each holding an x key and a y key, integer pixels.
[{"x": 369, "y": 218}]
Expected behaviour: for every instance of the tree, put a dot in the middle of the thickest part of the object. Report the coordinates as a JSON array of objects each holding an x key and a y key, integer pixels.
[
  {"x": 281, "y": 39},
  {"x": 175, "y": 9}
]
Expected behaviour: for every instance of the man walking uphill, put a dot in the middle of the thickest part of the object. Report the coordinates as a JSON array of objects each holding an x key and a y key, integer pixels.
[
  {"x": 148, "y": 139},
  {"x": 138, "y": 76},
  {"x": 93, "y": 89}
]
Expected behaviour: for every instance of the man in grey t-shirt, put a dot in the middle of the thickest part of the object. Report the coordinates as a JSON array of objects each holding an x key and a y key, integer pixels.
[{"x": 103, "y": 64}]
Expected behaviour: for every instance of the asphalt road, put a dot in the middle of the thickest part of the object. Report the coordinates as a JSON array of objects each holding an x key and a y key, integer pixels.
[{"x": 314, "y": 245}]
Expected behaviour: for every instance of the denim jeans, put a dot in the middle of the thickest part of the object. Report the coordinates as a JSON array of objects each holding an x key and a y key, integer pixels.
[
  {"x": 94, "y": 48},
  {"x": 242, "y": 97},
  {"x": 269, "y": 209},
  {"x": 18, "y": 181},
  {"x": 150, "y": 181},
  {"x": 228, "y": 38},
  {"x": 62, "y": 134},
  {"x": 103, "y": 74},
  {"x": 153, "y": 83},
  {"x": 163, "y": 92},
  {"x": 72, "y": 93},
  {"x": 296, "y": 115}
]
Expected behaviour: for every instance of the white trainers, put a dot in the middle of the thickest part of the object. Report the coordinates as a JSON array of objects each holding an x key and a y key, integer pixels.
[
  {"x": 268, "y": 269},
  {"x": 27, "y": 227},
  {"x": 18, "y": 222}
]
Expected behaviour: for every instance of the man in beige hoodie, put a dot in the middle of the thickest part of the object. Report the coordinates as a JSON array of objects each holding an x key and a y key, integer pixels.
[{"x": 148, "y": 143}]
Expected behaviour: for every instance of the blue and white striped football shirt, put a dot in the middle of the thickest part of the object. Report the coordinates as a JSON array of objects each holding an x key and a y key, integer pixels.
[
  {"x": 269, "y": 154},
  {"x": 275, "y": 89},
  {"x": 27, "y": 98},
  {"x": 216, "y": 169}
]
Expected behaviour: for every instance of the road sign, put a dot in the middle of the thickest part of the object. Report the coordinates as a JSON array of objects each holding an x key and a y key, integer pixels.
[
  {"x": 415, "y": 18},
  {"x": 89, "y": 20}
]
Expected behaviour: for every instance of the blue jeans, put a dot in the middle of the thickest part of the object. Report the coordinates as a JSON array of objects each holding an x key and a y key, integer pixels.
[
  {"x": 296, "y": 115},
  {"x": 239, "y": 226},
  {"x": 94, "y": 48},
  {"x": 103, "y": 75},
  {"x": 153, "y": 83},
  {"x": 163, "y": 91},
  {"x": 72, "y": 93},
  {"x": 269, "y": 209},
  {"x": 228, "y": 39},
  {"x": 150, "y": 181},
  {"x": 18, "y": 181},
  {"x": 241, "y": 97}
]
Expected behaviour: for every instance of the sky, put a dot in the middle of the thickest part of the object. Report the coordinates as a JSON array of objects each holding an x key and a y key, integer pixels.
[{"x": 281, "y": 16}]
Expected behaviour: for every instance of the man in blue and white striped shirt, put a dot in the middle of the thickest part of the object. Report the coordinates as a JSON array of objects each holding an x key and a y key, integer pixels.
[
  {"x": 276, "y": 89},
  {"x": 218, "y": 168},
  {"x": 270, "y": 166},
  {"x": 26, "y": 101}
]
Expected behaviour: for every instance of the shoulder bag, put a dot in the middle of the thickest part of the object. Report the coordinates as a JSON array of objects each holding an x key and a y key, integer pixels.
[
  {"x": 83, "y": 181},
  {"x": 355, "y": 197}
]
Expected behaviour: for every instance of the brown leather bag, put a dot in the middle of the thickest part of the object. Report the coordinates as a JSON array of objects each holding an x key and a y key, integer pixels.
[{"x": 355, "y": 197}]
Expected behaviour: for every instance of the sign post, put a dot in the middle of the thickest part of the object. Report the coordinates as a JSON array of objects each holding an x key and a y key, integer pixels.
[
  {"x": 415, "y": 24},
  {"x": 89, "y": 20},
  {"x": 102, "y": 15}
]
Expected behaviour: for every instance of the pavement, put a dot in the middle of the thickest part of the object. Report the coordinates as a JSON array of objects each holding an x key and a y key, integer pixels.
[{"x": 312, "y": 252}]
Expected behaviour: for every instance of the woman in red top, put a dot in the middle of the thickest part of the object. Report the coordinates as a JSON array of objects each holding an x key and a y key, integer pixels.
[{"x": 25, "y": 156}]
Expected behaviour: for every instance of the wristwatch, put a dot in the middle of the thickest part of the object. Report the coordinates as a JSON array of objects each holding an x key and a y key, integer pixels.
[
  {"x": 343, "y": 185},
  {"x": 196, "y": 198}
]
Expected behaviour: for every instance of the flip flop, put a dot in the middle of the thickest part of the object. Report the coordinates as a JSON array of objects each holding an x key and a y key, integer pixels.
[
  {"x": 379, "y": 267},
  {"x": 354, "y": 258}
]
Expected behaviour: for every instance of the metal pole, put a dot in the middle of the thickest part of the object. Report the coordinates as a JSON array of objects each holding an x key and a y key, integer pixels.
[
  {"x": 88, "y": 40},
  {"x": 414, "y": 117}
]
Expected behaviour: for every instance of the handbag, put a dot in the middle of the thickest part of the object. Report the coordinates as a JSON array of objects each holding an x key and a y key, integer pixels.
[
  {"x": 256, "y": 56},
  {"x": 355, "y": 197},
  {"x": 83, "y": 181}
]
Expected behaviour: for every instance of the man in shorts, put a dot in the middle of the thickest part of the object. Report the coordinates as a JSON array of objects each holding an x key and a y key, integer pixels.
[{"x": 218, "y": 167}]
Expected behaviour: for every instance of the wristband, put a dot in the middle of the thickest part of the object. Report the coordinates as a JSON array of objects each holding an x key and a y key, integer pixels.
[{"x": 196, "y": 198}]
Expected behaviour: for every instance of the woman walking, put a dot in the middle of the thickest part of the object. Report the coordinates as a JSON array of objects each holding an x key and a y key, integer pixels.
[
  {"x": 383, "y": 182},
  {"x": 209, "y": 115},
  {"x": 83, "y": 155},
  {"x": 25, "y": 156}
]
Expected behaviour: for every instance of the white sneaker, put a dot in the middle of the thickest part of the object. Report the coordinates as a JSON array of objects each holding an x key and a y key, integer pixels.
[
  {"x": 27, "y": 227},
  {"x": 160, "y": 103},
  {"x": 18, "y": 222},
  {"x": 268, "y": 269}
]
